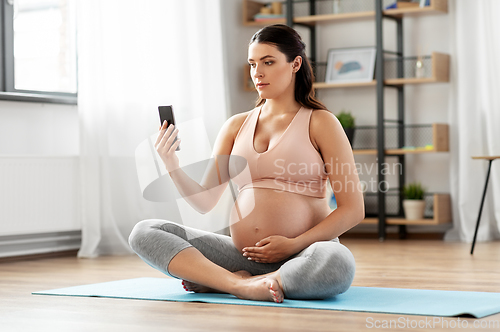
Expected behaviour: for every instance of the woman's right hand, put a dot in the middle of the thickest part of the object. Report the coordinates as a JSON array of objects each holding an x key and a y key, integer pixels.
[{"x": 165, "y": 148}]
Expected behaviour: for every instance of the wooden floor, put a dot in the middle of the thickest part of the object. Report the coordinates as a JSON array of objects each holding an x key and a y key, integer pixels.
[{"x": 393, "y": 263}]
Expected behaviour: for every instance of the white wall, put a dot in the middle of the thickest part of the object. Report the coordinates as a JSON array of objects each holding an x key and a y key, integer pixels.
[
  {"x": 28, "y": 128},
  {"x": 236, "y": 38},
  {"x": 39, "y": 147}
]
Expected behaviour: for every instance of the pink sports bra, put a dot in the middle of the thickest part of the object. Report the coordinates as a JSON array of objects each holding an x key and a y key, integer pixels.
[{"x": 292, "y": 164}]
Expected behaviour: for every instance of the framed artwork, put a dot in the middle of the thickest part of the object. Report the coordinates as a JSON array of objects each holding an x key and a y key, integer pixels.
[{"x": 349, "y": 65}]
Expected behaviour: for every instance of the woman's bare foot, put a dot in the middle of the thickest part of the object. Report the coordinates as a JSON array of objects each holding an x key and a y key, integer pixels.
[
  {"x": 261, "y": 289},
  {"x": 193, "y": 287}
]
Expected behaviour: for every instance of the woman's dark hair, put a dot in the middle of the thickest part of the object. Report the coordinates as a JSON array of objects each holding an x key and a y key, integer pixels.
[{"x": 288, "y": 42}]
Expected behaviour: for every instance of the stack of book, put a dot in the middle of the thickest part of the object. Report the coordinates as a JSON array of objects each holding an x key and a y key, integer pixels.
[
  {"x": 267, "y": 17},
  {"x": 409, "y": 4}
]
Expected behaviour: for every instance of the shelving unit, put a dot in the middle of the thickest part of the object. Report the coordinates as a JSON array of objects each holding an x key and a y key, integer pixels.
[
  {"x": 440, "y": 64},
  {"x": 439, "y": 143},
  {"x": 250, "y": 8},
  {"x": 439, "y": 73},
  {"x": 441, "y": 207},
  {"x": 324, "y": 85}
]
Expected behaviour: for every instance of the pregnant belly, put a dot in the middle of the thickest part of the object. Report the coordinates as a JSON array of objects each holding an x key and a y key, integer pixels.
[{"x": 265, "y": 212}]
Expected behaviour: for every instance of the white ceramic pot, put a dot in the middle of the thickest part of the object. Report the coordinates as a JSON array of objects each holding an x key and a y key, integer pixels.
[{"x": 414, "y": 209}]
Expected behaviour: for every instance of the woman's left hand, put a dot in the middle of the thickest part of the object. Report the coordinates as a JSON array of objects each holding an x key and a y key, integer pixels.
[{"x": 271, "y": 249}]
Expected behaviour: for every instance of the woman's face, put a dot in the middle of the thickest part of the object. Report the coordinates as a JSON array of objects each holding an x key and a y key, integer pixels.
[{"x": 271, "y": 73}]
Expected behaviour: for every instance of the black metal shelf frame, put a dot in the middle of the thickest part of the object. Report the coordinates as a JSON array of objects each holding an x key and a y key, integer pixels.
[{"x": 379, "y": 76}]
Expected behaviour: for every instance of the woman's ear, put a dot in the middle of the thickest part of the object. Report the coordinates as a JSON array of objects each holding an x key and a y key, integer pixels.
[{"x": 297, "y": 63}]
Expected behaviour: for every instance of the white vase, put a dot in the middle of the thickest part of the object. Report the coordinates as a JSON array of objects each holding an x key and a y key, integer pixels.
[{"x": 414, "y": 209}]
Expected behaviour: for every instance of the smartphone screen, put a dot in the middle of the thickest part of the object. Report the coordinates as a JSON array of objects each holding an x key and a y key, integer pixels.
[{"x": 167, "y": 114}]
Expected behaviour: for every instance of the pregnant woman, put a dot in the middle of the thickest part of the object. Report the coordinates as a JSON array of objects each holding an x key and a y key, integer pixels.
[{"x": 284, "y": 237}]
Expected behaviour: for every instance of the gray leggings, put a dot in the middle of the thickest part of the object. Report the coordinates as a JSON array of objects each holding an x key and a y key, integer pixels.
[{"x": 322, "y": 270}]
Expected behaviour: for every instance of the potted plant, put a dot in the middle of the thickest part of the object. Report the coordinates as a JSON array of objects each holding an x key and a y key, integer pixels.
[
  {"x": 347, "y": 121},
  {"x": 413, "y": 202}
]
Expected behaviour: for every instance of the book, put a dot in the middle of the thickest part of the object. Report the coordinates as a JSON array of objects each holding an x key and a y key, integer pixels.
[
  {"x": 407, "y": 4},
  {"x": 424, "y": 3},
  {"x": 271, "y": 19},
  {"x": 403, "y": 4},
  {"x": 268, "y": 16}
]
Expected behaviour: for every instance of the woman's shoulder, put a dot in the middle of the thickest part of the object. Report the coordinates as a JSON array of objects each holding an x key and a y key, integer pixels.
[
  {"x": 324, "y": 124},
  {"x": 239, "y": 117},
  {"x": 227, "y": 134},
  {"x": 233, "y": 125},
  {"x": 322, "y": 119},
  {"x": 235, "y": 122}
]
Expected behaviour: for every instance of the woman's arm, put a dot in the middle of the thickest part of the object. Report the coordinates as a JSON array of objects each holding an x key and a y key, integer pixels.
[
  {"x": 335, "y": 149},
  {"x": 202, "y": 197}
]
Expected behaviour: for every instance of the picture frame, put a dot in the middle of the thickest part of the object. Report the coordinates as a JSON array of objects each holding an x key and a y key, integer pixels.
[{"x": 350, "y": 65}]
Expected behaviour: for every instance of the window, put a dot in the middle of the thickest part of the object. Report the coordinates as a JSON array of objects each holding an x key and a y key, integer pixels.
[{"x": 39, "y": 60}]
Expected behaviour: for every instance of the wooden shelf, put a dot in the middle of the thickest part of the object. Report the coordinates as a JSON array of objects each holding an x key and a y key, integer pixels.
[
  {"x": 440, "y": 72},
  {"x": 440, "y": 143},
  {"x": 440, "y": 64},
  {"x": 324, "y": 85},
  {"x": 442, "y": 214},
  {"x": 313, "y": 19},
  {"x": 267, "y": 22},
  {"x": 250, "y": 8}
]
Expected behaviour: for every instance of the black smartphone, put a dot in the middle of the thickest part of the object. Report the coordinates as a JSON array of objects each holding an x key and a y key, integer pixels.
[{"x": 167, "y": 114}]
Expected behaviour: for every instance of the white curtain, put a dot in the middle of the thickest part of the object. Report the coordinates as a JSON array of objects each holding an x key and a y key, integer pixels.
[
  {"x": 474, "y": 117},
  {"x": 134, "y": 56}
]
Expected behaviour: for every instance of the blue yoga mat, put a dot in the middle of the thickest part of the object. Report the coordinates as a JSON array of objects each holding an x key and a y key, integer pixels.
[{"x": 366, "y": 299}]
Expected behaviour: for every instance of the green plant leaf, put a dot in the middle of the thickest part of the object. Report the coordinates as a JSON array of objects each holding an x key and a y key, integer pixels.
[
  {"x": 346, "y": 119},
  {"x": 413, "y": 190}
]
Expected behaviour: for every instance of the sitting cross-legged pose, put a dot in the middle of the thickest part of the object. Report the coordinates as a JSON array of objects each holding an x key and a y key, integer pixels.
[{"x": 284, "y": 236}]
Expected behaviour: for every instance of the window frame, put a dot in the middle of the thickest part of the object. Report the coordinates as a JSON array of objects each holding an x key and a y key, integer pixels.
[{"x": 7, "y": 87}]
